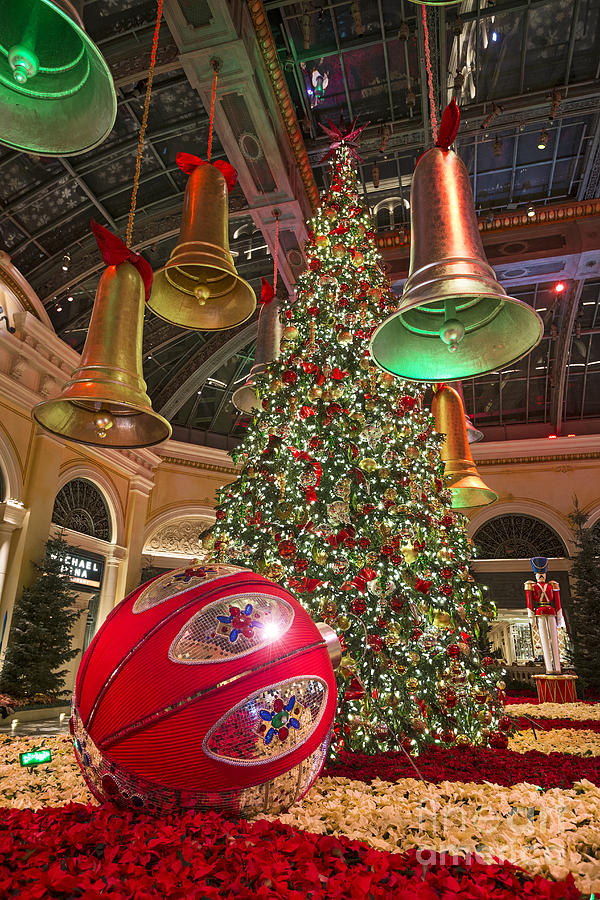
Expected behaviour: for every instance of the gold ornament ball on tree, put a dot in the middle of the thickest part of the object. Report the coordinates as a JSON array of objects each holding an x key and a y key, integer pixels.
[
  {"x": 418, "y": 725},
  {"x": 343, "y": 623},
  {"x": 276, "y": 385},
  {"x": 358, "y": 259},
  {"x": 320, "y": 557},
  {"x": 411, "y": 683},
  {"x": 328, "y": 608},
  {"x": 315, "y": 392},
  {"x": 365, "y": 364},
  {"x": 368, "y": 465},
  {"x": 338, "y": 251},
  {"x": 445, "y": 555},
  {"x": 321, "y": 240},
  {"x": 344, "y": 337},
  {"x": 462, "y": 740},
  {"x": 290, "y": 333},
  {"x": 442, "y": 620}
]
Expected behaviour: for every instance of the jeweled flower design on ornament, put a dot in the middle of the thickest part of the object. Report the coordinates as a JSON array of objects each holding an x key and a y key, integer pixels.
[
  {"x": 238, "y": 622},
  {"x": 186, "y": 576},
  {"x": 276, "y": 722}
]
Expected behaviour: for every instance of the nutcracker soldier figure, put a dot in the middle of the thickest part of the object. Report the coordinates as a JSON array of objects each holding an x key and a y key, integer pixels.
[{"x": 543, "y": 605}]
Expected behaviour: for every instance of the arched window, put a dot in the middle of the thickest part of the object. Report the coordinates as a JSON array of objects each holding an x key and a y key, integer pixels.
[
  {"x": 80, "y": 506},
  {"x": 517, "y": 536}
]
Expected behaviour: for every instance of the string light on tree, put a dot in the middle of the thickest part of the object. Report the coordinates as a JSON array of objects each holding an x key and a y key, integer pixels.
[{"x": 340, "y": 498}]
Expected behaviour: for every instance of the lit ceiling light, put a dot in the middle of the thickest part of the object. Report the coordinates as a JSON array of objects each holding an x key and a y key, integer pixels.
[
  {"x": 59, "y": 308},
  {"x": 559, "y": 287},
  {"x": 494, "y": 36},
  {"x": 70, "y": 298},
  {"x": 66, "y": 262},
  {"x": 543, "y": 139},
  {"x": 530, "y": 212}
]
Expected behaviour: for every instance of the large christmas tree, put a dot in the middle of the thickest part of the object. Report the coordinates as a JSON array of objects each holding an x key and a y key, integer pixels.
[{"x": 341, "y": 498}]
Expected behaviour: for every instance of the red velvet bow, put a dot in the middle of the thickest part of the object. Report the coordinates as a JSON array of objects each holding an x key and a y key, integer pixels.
[
  {"x": 362, "y": 578},
  {"x": 266, "y": 292},
  {"x": 304, "y": 585},
  {"x": 355, "y": 689},
  {"x": 336, "y": 539},
  {"x": 114, "y": 252},
  {"x": 188, "y": 163},
  {"x": 449, "y": 126},
  {"x": 422, "y": 586}
]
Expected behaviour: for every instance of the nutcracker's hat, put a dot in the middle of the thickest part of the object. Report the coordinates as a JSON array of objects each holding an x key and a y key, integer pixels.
[{"x": 539, "y": 564}]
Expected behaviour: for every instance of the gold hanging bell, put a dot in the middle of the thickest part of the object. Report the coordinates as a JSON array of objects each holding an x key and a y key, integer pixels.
[
  {"x": 460, "y": 472},
  {"x": 268, "y": 340},
  {"x": 57, "y": 95},
  {"x": 454, "y": 319},
  {"x": 199, "y": 287},
  {"x": 105, "y": 403}
]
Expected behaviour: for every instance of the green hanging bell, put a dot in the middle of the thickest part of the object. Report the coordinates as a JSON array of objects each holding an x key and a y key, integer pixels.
[
  {"x": 57, "y": 96},
  {"x": 454, "y": 319}
]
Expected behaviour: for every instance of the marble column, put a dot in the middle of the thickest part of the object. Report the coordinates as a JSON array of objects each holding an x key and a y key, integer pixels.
[{"x": 135, "y": 522}]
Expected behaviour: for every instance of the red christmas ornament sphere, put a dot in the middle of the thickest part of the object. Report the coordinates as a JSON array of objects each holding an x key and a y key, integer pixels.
[
  {"x": 208, "y": 687},
  {"x": 453, "y": 651},
  {"x": 505, "y": 723}
]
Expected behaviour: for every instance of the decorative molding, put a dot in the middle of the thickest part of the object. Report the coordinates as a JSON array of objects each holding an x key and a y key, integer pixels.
[
  {"x": 177, "y": 538},
  {"x": 195, "y": 464},
  {"x": 505, "y": 221},
  {"x": 519, "y": 460},
  {"x": 282, "y": 95}
]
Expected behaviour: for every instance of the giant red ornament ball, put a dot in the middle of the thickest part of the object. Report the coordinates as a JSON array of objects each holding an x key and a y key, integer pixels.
[{"x": 208, "y": 687}]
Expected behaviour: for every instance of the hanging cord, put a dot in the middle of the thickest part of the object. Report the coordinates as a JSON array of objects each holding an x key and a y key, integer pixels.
[
  {"x": 140, "y": 149},
  {"x": 434, "y": 128},
  {"x": 276, "y": 214},
  {"x": 216, "y": 64}
]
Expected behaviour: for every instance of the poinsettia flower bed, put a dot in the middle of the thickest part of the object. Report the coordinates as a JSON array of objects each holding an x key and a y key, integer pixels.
[
  {"x": 565, "y": 740},
  {"x": 582, "y": 711},
  {"x": 524, "y": 723},
  {"x": 82, "y": 851},
  {"x": 472, "y": 764},
  {"x": 54, "y": 784},
  {"x": 551, "y": 833}
]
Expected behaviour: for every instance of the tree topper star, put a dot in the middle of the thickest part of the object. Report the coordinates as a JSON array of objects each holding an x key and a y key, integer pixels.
[{"x": 339, "y": 137}]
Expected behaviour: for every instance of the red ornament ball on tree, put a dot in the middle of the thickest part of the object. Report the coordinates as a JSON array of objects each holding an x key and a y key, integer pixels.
[
  {"x": 358, "y": 606},
  {"x": 453, "y": 651},
  {"x": 289, "y": 376},
  {"x": 287, "y": 549},
  {"x": 375, "y": 642},
  {"x": 199, "y": 690}
]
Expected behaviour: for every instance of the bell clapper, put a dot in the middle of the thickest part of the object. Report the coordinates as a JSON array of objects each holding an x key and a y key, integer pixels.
[
  {"x": 202, "y": 293},
  {"x": 23, "y": 62},
  {"x": 103, "y": 422},
  {"x": 452, "y": 331}
]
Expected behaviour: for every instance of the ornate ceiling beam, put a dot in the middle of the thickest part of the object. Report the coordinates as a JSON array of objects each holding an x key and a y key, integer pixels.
[
  {"x": 569, "y": 310},
  {"x": 210, "y": 357}
]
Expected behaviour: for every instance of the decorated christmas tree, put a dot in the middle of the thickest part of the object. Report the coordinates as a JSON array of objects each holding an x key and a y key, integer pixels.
[
  {"x": 40, "y": 633},
  {"x": 341, "y": 498}
]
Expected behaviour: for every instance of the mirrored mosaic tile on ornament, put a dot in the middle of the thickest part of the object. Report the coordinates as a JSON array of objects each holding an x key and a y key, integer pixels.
[
  {"x": 231, "y": 628},
  {"x": 176, "y": 582}
]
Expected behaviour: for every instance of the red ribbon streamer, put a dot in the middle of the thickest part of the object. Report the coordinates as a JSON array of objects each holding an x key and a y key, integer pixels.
[
  {"x": 114, "y": 252},
  {"x": 449, "y": 126},
  {"x": 188, "y": 163}
]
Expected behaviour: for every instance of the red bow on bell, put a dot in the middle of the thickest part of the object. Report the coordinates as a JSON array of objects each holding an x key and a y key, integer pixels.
[
  {"x": 188, "y": 163},
  {"x": 114, "y": 252}
]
